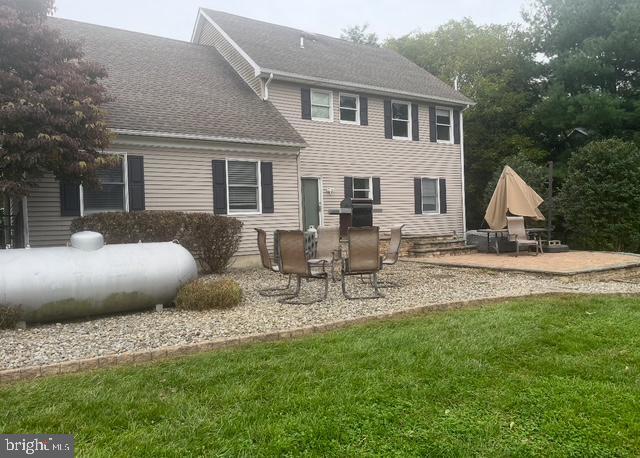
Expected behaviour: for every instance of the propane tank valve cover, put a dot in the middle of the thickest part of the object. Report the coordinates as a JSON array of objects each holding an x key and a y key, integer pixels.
[{"x": 87, "y": 240}]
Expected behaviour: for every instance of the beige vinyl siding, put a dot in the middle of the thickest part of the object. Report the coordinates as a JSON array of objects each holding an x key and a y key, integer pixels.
[
  {"x": 180, "y": 180},
  {"x": 211, "y": 37},
  {"x": 337, "y": 150}
]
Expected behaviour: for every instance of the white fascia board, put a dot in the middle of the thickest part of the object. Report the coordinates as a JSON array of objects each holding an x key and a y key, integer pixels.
[
  {"x": 256, "y": 67},
  {"x": 297, "y": 78}
]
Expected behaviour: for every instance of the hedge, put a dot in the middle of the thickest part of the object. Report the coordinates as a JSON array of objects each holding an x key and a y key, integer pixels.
[{"x": 212, "y": 239}]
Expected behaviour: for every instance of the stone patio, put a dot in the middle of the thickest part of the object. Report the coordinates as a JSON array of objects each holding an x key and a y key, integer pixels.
[{"x": 570, "y": 263}]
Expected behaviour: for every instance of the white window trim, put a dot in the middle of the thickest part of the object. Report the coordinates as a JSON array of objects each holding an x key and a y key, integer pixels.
[
  {"x": 330, "y": 94},
  {"x": 409, "y": 128},
  {"x": 437, "y": 210},
  {"x": 357, "y": 109},
  {"x": 353, "y": 187},
  {"x": 125, "y": 176},
  {"x": 450, "y": 141},
  {"x": 226, "y": 179}
]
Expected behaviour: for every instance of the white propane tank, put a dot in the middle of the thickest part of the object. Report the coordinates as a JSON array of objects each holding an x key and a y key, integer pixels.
[{"x": 90, "y": 278}]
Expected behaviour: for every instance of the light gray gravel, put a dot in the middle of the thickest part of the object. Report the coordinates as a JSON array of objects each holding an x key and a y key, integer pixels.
[{"x": 422, "y": 284}]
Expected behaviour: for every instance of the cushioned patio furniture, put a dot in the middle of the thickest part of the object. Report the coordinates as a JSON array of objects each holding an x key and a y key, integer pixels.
[
  {"x": 364, "y": 258},
  {"x": 327, "y": 248},
  {"x": 294, "y": 261},
  {"x": 518, "y": 234},
  {"x": 268, "y": 264}
]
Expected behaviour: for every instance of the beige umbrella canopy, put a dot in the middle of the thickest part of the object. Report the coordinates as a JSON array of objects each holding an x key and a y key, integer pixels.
[{"x": 514, "y": 196}]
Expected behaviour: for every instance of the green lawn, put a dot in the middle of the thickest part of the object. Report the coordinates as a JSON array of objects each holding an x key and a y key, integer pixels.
[{"x": 552, "y": 377}]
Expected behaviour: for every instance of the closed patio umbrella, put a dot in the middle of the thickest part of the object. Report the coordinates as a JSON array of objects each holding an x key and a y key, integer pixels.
[{"x": 513, "y": 196}]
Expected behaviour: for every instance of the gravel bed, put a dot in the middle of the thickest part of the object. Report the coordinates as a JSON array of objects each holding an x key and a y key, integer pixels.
[{"x": 421, "y": 285}]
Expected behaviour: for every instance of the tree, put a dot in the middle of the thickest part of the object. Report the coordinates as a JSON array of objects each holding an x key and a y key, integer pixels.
[
  {"x": 358, "y": 34},
  {"x": 600, "y": 198},
  {"x": 494, "y": 65},
  {"x": 50, "y": 116}
]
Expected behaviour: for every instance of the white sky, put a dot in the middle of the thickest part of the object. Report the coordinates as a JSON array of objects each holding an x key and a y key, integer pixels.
[{"x": 388, "y": 18}]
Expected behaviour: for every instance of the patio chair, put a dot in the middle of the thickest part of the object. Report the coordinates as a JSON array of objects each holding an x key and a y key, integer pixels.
[
  {"x": 518, "y": 234},
  {"x": 327, "y": 248},
  {"x": 293, "y": 261},
  {"x": 268, "y": 264},
  {"x": 393, "y": 253},
  {"x": 364, "y": 258}
]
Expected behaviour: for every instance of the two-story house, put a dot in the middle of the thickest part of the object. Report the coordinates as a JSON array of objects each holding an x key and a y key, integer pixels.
[{"x": 269, "y": 124}]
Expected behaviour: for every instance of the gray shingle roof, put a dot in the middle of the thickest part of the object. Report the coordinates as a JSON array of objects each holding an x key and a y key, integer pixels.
[
  {"x": 277, "y": 48},
  {"x": 164, "y": 85}
]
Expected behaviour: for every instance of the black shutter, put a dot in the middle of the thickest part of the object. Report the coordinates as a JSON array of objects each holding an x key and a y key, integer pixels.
[
  {"x": 417, "y": 195},
  {"x": 348, "y": 187},
  {"x": 388, "y": 132},
  {"x": 135, "y": 176},
  {"x": 376, "y": 190},
  {"x": 415, "y": 126},
  {"x": 443, "y": 195},
  {"x": 219, "y": 187},
  {"x": 305, "y": 102},
  {"x": 364, "y": 111},
  {"x": 456, "y": 127},
  {"x": 69, "y": 199},
  {"x": 266, "y": 182},
  {"x": 433, "y": 133}
]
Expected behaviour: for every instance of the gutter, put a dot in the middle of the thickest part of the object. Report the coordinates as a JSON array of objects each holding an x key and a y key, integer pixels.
[
  {"x": 464, "y": 204},
  {"x": 265, "y": 94}
]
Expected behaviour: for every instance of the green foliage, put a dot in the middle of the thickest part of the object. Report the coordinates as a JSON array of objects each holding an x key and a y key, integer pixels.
[
  {"x": 358, "y": 34},
  {"x": 600, "y": 198},
  {"x": 212, "y": 239},
  {"x": 205, "y": 294},
  {"x": 50, "y": 102},
  {"x": 534, "y": 377},
  {"x": 9, "y": 316}
]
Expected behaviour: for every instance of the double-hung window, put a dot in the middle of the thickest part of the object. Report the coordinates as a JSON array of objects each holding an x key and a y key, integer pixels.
[
  {"x": 243, "y": 186},
  {"x": 111, "y": 195},
  {"x": 321, "y": 105},
  {"x": 349, "y": 109},
  {"x": 401, "y": 120},
  {"x": 444, "y": 125},
  {"x": 430, "y": 195},
  {"x": 362, "y": 188}
]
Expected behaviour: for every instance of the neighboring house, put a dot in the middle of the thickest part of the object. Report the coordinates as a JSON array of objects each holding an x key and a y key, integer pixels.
[{"x": 269, "y": 124}]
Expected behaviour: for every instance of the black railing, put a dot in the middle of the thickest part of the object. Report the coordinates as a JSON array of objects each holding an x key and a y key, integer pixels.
[{"x": 11, "y": 233}]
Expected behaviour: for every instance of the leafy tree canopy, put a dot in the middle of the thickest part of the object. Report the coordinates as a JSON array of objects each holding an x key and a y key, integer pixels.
[
  {"x": 50, "y": 117},
  {"x": 359, "y": 34}
]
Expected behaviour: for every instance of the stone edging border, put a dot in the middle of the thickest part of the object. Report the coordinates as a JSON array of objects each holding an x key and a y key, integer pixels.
[{"x": 160, "y": 354}]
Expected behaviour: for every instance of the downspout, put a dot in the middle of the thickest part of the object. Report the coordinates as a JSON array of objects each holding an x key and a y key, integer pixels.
[
  {"x": 265, "y": 95},
  {"x": 464, "y": 205}
]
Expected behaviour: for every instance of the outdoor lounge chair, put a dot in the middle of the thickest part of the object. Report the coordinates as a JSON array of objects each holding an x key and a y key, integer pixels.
[
  {"x": 518, "y": 234},
  {"x": 293, "y": 261},
  {"x": 327, "y": 248},
  {"x": 364, "y": 258},
  {"x": 268, "y": 264},
  {"x": 393, "y": 253}
]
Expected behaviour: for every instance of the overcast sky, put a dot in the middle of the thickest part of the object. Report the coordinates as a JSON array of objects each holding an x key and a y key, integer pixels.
[{"x": 388, "y": 18}]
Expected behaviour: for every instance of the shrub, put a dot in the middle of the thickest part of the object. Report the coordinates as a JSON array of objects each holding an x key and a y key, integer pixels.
[
  {"x": 204, "y": 294},
  {"x": 600, "y": 197},
  {"x": 212, "y": 239},
  {"x": 9, "y": 316}
]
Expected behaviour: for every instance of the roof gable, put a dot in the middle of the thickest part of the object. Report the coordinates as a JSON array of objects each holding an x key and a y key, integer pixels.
[{"x": 276, "y": 48}]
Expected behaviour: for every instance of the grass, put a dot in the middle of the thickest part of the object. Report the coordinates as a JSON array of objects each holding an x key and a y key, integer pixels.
[{"x": 552, "y": 377}]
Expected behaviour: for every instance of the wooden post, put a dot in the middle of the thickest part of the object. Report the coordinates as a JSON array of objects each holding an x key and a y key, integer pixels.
[{"x": 550, "y": 202}]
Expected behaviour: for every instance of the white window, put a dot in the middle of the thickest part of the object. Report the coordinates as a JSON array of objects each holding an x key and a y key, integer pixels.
[
  {"x": 430, "y": 195},
  {"x": 321, "y": 105},
  {"x": 362, "y": 188},
  {"x": 349, "y": 109},
  {"x": 243, "y": 186},
  {"x": 444, "y": 125},
  {"x": 400, "y": 120},
  {"x": 111, "y": 195}
]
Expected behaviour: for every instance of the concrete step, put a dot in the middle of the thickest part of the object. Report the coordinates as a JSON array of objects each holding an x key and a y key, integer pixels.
[
  {"x": 438, "y": 243},
  {"x": 442, "y": 251}
]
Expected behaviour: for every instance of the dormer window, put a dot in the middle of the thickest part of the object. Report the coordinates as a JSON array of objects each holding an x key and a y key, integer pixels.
[{"x": 321, "y": 105}]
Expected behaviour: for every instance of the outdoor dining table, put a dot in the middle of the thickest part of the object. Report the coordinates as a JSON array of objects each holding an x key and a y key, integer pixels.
[{"x": 534, "y": 231}]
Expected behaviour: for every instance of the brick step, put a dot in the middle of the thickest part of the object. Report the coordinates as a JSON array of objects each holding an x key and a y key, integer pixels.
[
  {"x": 430, "y": 238},
  {"x": 444, "y": 243},
  {"x": 442, "y": 251}
]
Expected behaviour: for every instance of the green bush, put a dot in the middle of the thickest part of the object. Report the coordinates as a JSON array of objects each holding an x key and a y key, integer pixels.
[
  {"x": 9, "y": 316},
  {"x": 212, "y": 239},
  {"x": 204, "y": 294},
  {"x": 600, "y": 197}
]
